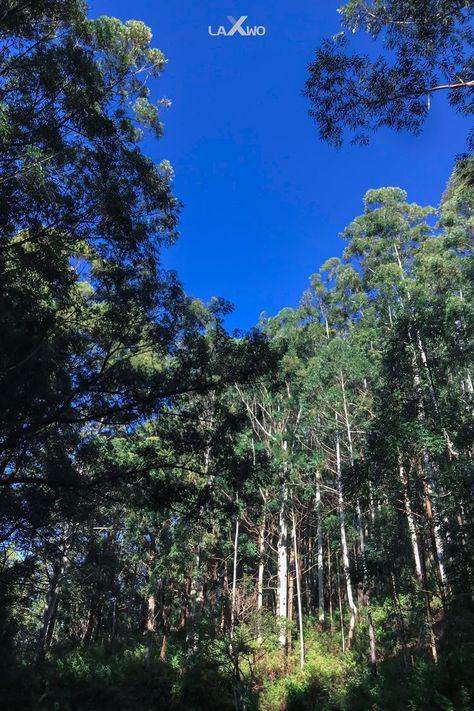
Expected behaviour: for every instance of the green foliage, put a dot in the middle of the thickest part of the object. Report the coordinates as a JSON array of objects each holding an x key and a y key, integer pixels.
[{"x": 427, "y": 49}]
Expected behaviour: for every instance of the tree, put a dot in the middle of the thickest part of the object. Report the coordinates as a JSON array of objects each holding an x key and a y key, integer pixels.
[
  {"x": 427, "y": 50},
  {"x": 95, "y": 332}
]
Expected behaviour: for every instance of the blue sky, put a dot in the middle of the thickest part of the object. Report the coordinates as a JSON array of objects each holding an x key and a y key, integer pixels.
[{"x": 264, "y": 199}]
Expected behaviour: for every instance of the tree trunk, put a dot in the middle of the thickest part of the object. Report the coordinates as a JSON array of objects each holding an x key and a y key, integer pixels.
[
  {"x": 234, "y": 578},
  {"x": 150, "y": 629},
  {"x": 429, "y": 616},
  {"x": 291, "y": 595},
  {"x": 331, "y": 624},
  {"x": 399, "y": 616},
  {"x": 260, "y": 575},
  {"x": 360, "y": 528},
  {"x": 92, "y": 619},
  {"x": 166, "y": 606},
  {"x": 282, "y": 589},
  {"x": 163, "y": 647},
  {"x": 298, "y": 594},
  {"x": 261, "y": 567},
  {"x": 319, "y": 544},
  {"x": 419, "y": 564},
  {"x": 411, "y": 525},
  {"x": 196, "y": 602},
  {"x": 51, "y": 609},
  {"x": 433, "y": 518},
  {"x": 373, "y": 651},
  {"x": 341, "y": 615},
  {"x": 113, "y": 633},
  {"x": 342, "y": 530}
]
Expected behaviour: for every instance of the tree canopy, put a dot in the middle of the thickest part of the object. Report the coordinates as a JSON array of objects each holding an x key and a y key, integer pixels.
[{"x": 426, "y": 48}]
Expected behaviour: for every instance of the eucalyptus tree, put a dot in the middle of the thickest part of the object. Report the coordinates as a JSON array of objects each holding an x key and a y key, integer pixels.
[
  {"x": 337, "y": 399},
  {"x": 274, "y": 413},
  {"x": 426, "y": 50},
  {"x": 412, "y": 275}
]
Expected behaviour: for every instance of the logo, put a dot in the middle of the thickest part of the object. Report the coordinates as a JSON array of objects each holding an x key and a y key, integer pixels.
[{"x": 238, "y": 28}]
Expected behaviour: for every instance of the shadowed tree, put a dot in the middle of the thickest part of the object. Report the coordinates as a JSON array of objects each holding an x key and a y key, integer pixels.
[{"x": 427, "y": 49}]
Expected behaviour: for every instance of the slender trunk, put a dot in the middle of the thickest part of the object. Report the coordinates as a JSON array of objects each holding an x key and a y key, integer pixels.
[
  {"x": 291, "y": 596},
  {"x": 342, "y": 529},
  {"x": 196, "y": 601},
  {"x": 399, "y": 616},
  {"x": 282, "y": 590},
  {"x": 260, "y": 574},
  {"x": 196, "y": 590},
  {"x": 261, "y": 567},
  {"x": 52, "y": 621},
  {"x": 225, "y": 599},
  {"x": 234, "y": 578},
  {"x": 150, "y": 629},
  {"x": 98, "y": 623},
  {"x": 51, "y": 608},
  {"x": 184, "y": 614},
  {"x": 298, "y": 594},
  {"x": 93, "y": 619},
  {"x": 360, "y": 529},
  {"x": 309, "y": 580},
  {"x": 167, "y": 590},
  {"x": 371, "y": 504},
  {"x": 330, "y": 589},
  {"x": 429, "y": 616},
  {"x": 366, "y": 597},
  {"x": 469, "y": 385},
  {"x": 339, "y": 596},
  {"x": 114, "y": 619},
  {"x": 433, "y": 396},
  {"x": 419, "y": 564},
  {"x": 432, "y": 514},
  {"x": 319, "y": 541},
  {"x": 411, "y": 525},
  {"x": 163, "y": 647}
]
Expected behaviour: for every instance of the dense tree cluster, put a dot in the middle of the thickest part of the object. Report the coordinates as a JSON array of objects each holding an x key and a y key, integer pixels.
[{"x": 194, "y": 520}]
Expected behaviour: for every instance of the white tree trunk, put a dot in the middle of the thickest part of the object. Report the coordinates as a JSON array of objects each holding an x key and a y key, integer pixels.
[
  {"x": 339, "y": 597},
  {"x": 261, "y": 570},
  {"x": 330, "y": 586},
  {"x": 434, "y": 522},
  {"x": 360, "y": 529},
  {"x": 282, "y": 590},
  {"x": 319, "y": 546},
  {"x": 150, "y": 629},
  {"x": 370, "y": 623},
  {"x": 298, "y": 593},
  {"x": 196, "y": 595},
  {"x": 261, "y": 566},
  {"x": 234, "y": 579},
  {"x": 420, "y": 576},
  {"x": 342, "y": 529}
]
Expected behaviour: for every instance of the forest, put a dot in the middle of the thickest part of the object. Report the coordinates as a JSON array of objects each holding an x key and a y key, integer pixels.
[{"x": 198, "y": 520}]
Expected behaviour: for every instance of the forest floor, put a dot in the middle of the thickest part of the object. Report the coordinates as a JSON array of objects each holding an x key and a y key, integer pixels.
[{"x": 116, "y": 678}]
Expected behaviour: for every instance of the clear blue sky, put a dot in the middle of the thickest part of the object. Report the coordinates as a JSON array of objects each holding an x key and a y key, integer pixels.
[{"x": 264, "y": 200}]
